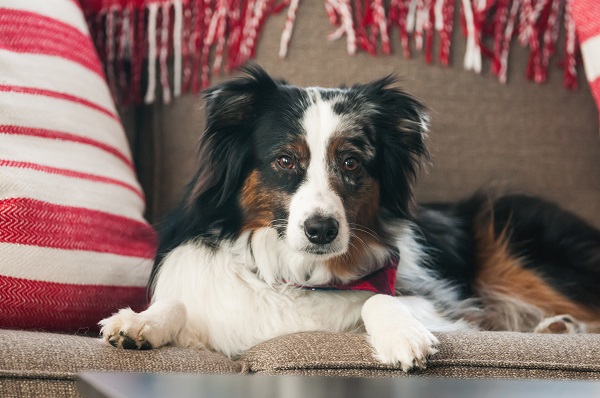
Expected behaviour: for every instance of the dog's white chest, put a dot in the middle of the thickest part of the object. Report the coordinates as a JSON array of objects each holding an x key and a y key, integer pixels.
[{"x": 231, "y": 309}]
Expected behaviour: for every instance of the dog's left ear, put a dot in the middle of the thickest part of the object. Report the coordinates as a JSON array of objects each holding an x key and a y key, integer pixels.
[{"x": 401, "y": 124}]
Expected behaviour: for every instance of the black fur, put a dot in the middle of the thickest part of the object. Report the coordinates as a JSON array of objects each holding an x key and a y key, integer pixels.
[
  {"x": 555, "y": 243},
  {"x": 209, "y": 207},
  {"x": 559, "y": 246}
]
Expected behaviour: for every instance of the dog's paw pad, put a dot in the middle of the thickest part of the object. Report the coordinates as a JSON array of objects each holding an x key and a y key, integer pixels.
[
  {"x": 128, "y": 343},
  {"x": 560, "y": 324}
]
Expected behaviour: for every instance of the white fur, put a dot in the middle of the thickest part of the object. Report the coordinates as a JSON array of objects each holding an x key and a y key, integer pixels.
[
  {"x": 414, "y": 278},
  {"x": 397, "y": 337},
  {"x": 315, "y": 196},
  {"x": 235, "y": 298},
  {"x": 158, "y": 325},
  {"x": 235, "y": 309}
]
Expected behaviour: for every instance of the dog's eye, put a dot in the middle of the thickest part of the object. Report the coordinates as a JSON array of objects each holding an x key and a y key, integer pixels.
[
  {"x": 351, "y": 164},
  {"x": 285, "y": 162}
]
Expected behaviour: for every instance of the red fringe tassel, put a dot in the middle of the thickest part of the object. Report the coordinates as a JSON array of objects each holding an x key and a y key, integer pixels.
[
  {"x": 535, "y": 23},
  {"x": 201, "y": 36},
  {"x": 210, "y": 36}
]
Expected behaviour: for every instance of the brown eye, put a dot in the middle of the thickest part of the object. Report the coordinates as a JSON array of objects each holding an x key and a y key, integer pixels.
[
  {"x": 285, "y": 162},
  {"x": 351, "y": 164}
]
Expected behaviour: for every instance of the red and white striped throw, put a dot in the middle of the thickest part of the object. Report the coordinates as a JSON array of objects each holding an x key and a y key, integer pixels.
[
  {"x": 586, "y": 15},
  {"x": 135, "y": 38},
  {"x": 74, "y": 246}
]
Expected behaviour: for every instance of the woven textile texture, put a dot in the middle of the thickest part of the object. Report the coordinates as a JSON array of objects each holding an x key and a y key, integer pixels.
[
  {"x": 74, "y": 246},
  {"x": 201, "y": 37},
  {"x": 464, "y": 355},
  {"x": 36, "y": 364},
  {"x": 206, "y": 37}
]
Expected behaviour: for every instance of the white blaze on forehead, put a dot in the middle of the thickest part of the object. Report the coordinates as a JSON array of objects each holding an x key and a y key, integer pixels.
[
  {"x": 320, "y": 123},
  {"x": 315, "y": 195}
]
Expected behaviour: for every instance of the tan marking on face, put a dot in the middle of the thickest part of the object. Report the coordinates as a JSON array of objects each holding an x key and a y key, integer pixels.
[
  {"x": 362, "y": 211},
  {"x": 340, "y": 143},
  {"x": 335, "y": 144},
  {"x": 256, "y": 203},
  {"x": 300, "y": 149},
  {"x": 501, "y": 275}
]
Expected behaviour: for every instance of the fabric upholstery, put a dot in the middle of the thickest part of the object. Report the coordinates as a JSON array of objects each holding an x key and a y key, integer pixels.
[
  {"x": 16, "y": 386},
  {"x": 30, "y": 362},
  {"x": 34, "y": 363},
  {"x": 74, "y": 246},
  {"x": 474, "y": 354}
]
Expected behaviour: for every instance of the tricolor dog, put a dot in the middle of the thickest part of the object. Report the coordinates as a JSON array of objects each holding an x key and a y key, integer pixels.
[{"x": 301, "y": 217}]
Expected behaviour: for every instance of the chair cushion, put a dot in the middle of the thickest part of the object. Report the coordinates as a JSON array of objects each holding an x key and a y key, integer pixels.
[
  {"x": 45, "y": 364},
  {"x": 466, "y": 355},
  {"x": 73, "y": 242}
]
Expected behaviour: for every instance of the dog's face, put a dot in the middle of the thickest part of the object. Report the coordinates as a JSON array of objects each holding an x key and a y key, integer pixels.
[
  {"x": 328, "y": 169},
  {"x": 310, "y": 178}
]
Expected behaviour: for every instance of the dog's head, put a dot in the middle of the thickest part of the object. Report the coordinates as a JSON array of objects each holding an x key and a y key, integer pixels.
[{"x": 328, "y": 169}]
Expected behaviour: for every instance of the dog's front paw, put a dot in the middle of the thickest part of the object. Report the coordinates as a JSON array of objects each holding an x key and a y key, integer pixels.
[
  {"x": 407, "y": 347},
  {"x": 131, "y": 331},
  {"x": 397, "y": 337}
]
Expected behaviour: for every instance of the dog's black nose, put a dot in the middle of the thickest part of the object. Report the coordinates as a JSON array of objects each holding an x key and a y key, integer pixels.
[{"x": 321, "y": 230}]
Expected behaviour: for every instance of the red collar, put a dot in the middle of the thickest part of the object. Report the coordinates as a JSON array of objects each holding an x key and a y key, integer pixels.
[{"x": 381, "y": 281}]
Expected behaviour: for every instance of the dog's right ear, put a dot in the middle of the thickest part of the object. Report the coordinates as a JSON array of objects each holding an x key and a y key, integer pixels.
[{"x": 225, "y": 145}]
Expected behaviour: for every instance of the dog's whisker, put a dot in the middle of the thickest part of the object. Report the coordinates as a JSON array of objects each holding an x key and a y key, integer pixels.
[
  {"x": 280, "y": 222},
  {"x": 366, "y": 232},
  {"x": 374, "y": 236},
  {"x": 362, "y": 228},
  {"x": 361, "y": 241}
]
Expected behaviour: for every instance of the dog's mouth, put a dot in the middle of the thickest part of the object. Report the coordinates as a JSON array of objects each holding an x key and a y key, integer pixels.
[
  {"x": 323, "y": 251},
  {"x": 317, "y": 251}
]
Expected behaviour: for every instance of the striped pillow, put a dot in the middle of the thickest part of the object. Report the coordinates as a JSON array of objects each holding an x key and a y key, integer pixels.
[{"x": 74, "y": 246}]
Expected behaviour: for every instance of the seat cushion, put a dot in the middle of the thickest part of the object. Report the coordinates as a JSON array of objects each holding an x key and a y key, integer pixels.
[
  {"x": 464, "y": 355},
  {"x": 45, "y": 364}
]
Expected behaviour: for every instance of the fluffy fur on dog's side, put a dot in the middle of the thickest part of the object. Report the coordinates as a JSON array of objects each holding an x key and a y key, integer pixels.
[{"x": 311, "y": 187}]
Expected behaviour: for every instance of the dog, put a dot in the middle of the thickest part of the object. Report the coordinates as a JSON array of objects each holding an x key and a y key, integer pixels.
[{"x": 301, "y": 217}]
